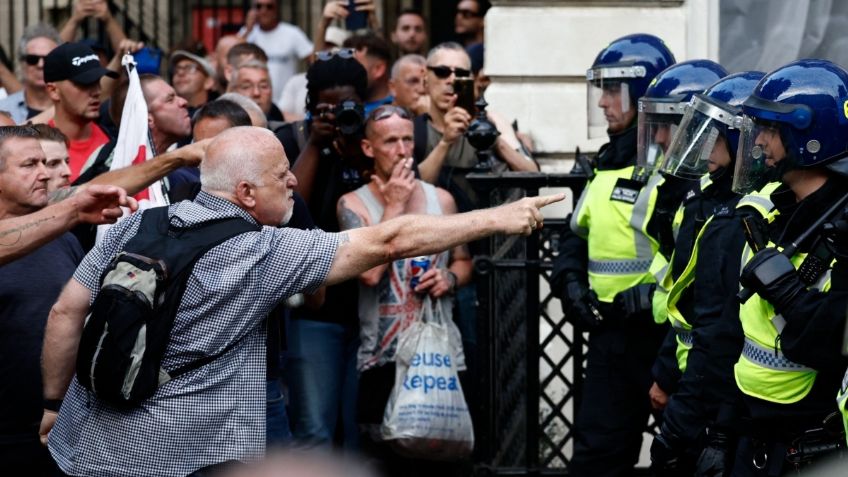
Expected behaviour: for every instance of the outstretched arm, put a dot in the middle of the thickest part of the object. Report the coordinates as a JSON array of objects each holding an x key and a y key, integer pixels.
[
  {"x": 95, "y": 204},
  {"x": 412, "y": 235},
  {"x": 138, "y": 176}
]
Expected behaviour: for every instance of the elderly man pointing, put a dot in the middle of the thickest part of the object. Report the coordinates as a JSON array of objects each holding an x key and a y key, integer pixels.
[{"x": 216, "y": 413}]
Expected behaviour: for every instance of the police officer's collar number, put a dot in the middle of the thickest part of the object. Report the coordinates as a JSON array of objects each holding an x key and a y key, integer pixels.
[{"x": 626, "y": 190}]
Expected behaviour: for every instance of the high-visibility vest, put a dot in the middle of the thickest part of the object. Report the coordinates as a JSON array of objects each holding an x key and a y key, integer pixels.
[
  {"x": 842, "y": 402},
  {"x": 613, "y": 219},
  {"x": 759, "y": 201},
  {"x": 661, "y": 268},
  {"x": 763, "y": 371}
]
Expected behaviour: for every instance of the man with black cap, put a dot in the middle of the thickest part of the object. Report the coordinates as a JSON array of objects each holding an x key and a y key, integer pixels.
[{"x": 72, "y": 72}]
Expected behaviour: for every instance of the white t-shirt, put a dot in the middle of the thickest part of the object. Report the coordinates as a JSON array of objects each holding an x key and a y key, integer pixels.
[
  {"x": 284, "y": 45},
  {"x": 293, "y": 99}
]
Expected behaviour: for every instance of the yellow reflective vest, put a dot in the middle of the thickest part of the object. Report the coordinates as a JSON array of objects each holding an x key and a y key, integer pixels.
[
  {"x": 612, "y": 215},
  {"x": 683, "y": 329},
  {"x": 763, "y": 371}
]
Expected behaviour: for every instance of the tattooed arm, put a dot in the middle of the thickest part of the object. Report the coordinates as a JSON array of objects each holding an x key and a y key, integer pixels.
[
  {"x": 353, "y": 215},
  {"x": 91, "y": 204}
]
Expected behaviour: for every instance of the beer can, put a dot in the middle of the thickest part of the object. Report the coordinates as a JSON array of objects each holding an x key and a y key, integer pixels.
[{"x": 419, "y": 266}]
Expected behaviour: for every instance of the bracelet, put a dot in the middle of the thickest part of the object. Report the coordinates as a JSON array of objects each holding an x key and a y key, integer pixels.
[
  {"x": 52, "y": 404},
  {"x": 452, "y": 281}
]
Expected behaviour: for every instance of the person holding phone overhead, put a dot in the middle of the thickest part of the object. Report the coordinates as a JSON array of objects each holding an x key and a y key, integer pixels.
[{"x": 284, "y": 43}]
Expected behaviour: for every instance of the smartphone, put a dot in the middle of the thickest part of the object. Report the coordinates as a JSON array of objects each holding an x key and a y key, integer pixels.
[
  {"x": 464, "y": 89},
  {"x": 355, "y": 20}
]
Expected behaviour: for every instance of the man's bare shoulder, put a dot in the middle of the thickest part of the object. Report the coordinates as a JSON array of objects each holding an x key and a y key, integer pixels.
[
  {"x": 351, "y": 212},
  {"x": 446, "y": 201}
]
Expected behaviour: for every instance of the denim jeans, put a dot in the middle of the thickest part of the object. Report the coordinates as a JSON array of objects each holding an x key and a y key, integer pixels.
[
  {"x": 277, "y": 431},
  {"x": 322, "y": 379}
]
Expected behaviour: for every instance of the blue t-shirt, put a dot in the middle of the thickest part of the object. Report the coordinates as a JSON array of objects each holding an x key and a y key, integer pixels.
[{"x": 29, "y": 286}]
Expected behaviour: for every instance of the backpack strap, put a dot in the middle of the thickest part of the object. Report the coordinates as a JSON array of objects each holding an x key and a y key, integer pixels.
[{"x": 180, "y": 248}]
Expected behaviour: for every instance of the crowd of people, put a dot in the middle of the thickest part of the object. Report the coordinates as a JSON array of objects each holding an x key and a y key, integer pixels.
[
  {"x": 340, "y": 172},
  {"x": 705, "y": 257}
]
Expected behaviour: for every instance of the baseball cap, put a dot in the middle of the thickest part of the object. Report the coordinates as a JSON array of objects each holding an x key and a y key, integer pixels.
[
  {"x": 184, "y": 55},
  {"x": 76, "y": 62}
]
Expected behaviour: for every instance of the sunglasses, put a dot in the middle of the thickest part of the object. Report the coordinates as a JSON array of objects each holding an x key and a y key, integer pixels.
[
  {"x": 327, "y": 55},
  {"x": 445, "y": 71},
  {"x": 265, "y": 6},
  {"x": 467, "y": 13},
  {"x": 388, "y": 111},
  {"x": 33, "y": 60}
]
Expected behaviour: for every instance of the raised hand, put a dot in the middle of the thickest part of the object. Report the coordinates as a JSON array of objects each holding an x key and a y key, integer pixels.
[{"x": 398, "y": 188}]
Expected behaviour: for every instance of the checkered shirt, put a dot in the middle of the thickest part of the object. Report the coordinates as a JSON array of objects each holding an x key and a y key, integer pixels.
[{"x": 217, "y": 412}]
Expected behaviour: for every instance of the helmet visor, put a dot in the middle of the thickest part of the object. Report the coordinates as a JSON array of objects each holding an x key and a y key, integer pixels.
[
  {"x": 699, "y": 141},
  {"x": 608, "y": 97},
  {"x": 760, "y": 151},
  {"x": 657, "y": 125}
]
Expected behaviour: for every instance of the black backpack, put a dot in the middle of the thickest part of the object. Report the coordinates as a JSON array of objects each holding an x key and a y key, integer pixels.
[{"x": 126, "y": 333}]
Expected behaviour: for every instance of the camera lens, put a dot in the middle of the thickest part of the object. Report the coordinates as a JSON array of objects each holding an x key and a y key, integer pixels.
[{"x": 350, "y": 117}]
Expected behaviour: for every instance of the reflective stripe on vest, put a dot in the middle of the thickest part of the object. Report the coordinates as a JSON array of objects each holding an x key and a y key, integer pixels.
[
  {"x": 770, "y": 358},
  {"x": 762, "y": 370},
  {"x": 620, "y": 251}
]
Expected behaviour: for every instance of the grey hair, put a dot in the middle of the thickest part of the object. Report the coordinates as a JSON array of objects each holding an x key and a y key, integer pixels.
[
  {"x": 249, "y": 105},
  {"x": 448, "y": 45},
  {"x": 412, "y": 58},
  {"x": 230, "y": 160},
  {"x": 251, "y": 63},
  {"x": 39, "y": 30}
]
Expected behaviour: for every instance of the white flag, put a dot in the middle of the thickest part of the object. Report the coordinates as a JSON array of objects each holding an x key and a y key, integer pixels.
[{"x": 134, "y": 145}]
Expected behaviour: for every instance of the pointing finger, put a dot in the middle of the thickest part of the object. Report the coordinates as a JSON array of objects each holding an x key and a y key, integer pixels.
[{"x": 544, "y": 200}]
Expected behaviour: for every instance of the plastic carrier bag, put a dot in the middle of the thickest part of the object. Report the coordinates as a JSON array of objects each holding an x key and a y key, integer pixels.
[{"x": 426, "y": 416}]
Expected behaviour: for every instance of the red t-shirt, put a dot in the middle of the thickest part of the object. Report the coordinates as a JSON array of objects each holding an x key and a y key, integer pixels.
[{"x": 80, "y": 152}]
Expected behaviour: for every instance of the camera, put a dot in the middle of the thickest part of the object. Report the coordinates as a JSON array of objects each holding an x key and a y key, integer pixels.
[{"x": 350, "y": 117}]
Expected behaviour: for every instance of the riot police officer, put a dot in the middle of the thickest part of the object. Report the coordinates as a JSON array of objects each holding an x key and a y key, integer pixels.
[
  {"x": 608, "y": 248},
  {"x": 703, "y": 147},
  {"x": 793, "y": 127}
]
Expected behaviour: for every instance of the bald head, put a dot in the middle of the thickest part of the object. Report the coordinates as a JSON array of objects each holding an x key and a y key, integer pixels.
[{"x": 238, "y": 154}]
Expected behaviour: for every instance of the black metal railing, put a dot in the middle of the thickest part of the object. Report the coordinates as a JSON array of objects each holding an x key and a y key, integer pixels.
[{"x": 531, "y": 362}]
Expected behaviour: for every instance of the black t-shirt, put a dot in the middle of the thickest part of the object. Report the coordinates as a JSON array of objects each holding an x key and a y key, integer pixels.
[
  {"x": 334, "y": 178},
  {"x": 29, "y": 286}
]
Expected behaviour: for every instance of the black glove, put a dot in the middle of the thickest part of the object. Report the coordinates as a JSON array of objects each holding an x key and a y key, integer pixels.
[
  {"x": 636, "y": 302},
  {"x": 771, "y": 275},
  {"x": 667, "y": 455},
  {"x": 579, "y": 303},
  {"x": 713, "y": 461}
]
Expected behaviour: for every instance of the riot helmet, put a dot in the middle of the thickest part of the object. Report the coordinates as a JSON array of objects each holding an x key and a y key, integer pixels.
[
  {"x": 796, "y": 118},
  {"x": 620, "y": 75},
  {"x": 661, "y": 107},
  {"x": 706, "y": 138}
]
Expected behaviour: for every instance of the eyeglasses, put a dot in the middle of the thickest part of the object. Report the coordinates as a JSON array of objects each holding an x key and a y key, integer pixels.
[
  {"x": 327, "y": 55},
  {"x": 186, "y": 68},
  {"x": 445, "y": 71},
  {"x": 32, "y": 60},
  {"x": 387, "y": 111},
  {"x": 467, "y": 13},
  {"x": 265, "y": 6}
]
